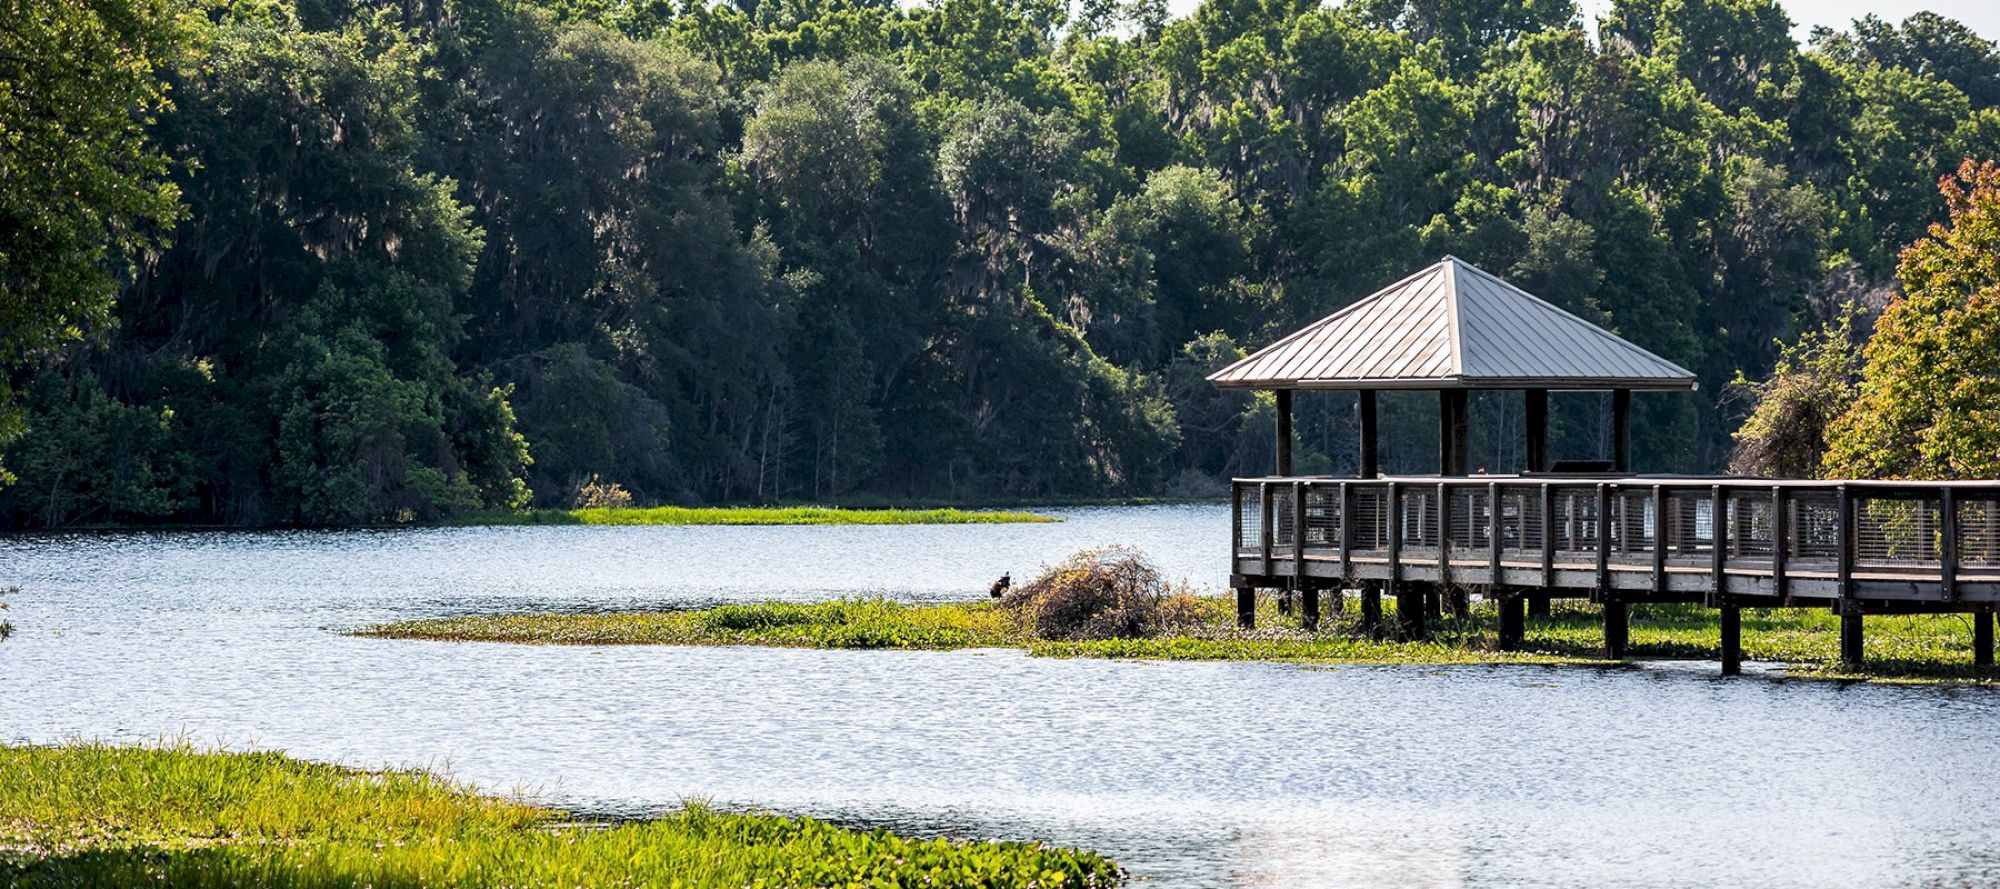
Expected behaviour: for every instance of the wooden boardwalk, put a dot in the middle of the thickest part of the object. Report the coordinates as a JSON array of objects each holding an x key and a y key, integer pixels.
[{"x": 1858, "y": 547}]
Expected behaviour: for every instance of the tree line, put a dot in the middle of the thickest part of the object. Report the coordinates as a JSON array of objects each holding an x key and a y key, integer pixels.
[{"x": 355, "y": 261}]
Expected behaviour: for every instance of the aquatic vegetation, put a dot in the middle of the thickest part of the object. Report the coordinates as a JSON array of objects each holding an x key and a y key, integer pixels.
[
  {"x": 96, "y": 815},
  {"x": 753, "y": 515},
  {"x": 1106, "y": 593},
  {"x": 1900, "y": 648}
]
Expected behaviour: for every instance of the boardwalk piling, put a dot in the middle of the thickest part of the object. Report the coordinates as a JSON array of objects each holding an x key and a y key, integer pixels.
[
  {"x": 1982, "y": 637},
  {"x": 1410, "y": 610},
  {"x": 1371, "y": 608},
  {"x": 1513, "y": 621},
  {"x": 1850, "y": 635},
  {"x": 1732, "y": 640},
  {"x": 1246, "y": 607},
  {"x": 1616, "y": 614},
  {"x": 1309, "y": 607}
]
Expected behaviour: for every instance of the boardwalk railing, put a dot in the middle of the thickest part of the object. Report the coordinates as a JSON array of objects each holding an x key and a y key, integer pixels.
[{"x": 1670, "y": 538}]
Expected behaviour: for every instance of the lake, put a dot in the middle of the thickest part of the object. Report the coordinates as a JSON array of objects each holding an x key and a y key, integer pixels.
[{"x": 1189, "y": 774}]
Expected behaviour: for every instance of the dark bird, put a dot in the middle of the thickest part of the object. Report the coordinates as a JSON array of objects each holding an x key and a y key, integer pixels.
[{"x": 1000, "y": 586}]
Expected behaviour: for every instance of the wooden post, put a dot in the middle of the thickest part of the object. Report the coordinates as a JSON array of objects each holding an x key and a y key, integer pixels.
[
  {"x": 1718, "y": 543},
  {"x": 1513, "y": 621},
  {"x": 1538, "y": 605},
  {"x": 1410, "y": 609},
  {"x": 1982, "y": 637},
  {"x": 1299, "y": 494},
  {"x": 1948, "y": 542},
  {"x": 1850, "y": 635},
  {"x": 1538, "y": 430},
  {"x": 1246, "y": 607},
  {"x": 1454, "y": 420},
  {"x": 1365, "y": 404},
  {"x": 1309, "y": 606},
  {"x": 1732, "y": 640},
  {"x": 1781, "y": 541},
  {"x": 1371, "y": 608},
  {"x": 1616, "y": 629},
  {"x": 1346, "y": 531},
  {"x": 1661, "y": 536},
  {"x": 1284, "y": 442},
  {"x": 1621, "y": 430},
  {"x": 1268, "y": 518}
]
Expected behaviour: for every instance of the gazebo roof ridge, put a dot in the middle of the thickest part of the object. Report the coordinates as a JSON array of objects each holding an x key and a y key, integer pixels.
[{"x": 1453, "y": 325}]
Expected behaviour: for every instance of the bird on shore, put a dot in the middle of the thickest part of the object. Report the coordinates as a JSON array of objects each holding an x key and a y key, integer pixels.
[{"x": 1000, "y": 586}]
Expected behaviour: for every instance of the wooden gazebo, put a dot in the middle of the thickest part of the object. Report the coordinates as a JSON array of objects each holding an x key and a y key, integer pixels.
[
  {"x": 1455, "y": 328},
  {"x": 1592, "y": 530}
]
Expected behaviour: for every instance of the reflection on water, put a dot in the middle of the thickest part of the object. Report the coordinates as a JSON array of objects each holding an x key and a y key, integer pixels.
[{"x": 1192, "y": 774}]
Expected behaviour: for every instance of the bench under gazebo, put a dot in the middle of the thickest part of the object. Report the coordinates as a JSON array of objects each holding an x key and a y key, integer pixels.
[{"x": 1592, "y": 529}]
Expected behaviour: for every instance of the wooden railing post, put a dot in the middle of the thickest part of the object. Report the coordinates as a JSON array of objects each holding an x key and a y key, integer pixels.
[
  {"x": 1844, "y": 553},
  {"x": 1948, "y": 547},
  {"x": 1718, "y": 541},
  {"x": 1395, "y": 512},
  {"x": 1660, "y": 537},
  {"x": 1781, "y": 540},
  {"x": 1548, "y": 535},
  {"x": 1494, "y": 527},
  {"x": 1346, "y": 531},
  {"x": 1235, "y": 522},
  {"x": 1266, "y": 512},
  {"x": 1603, "y": 537},
  {"x": 1444, "y": 534},
  {"x": 1299, "y": 493}
]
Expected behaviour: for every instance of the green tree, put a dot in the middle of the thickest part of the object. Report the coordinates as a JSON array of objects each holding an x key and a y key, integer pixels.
[
  {"x": 1929, "y": 402},
  {"x": 1812, "y": 385}
]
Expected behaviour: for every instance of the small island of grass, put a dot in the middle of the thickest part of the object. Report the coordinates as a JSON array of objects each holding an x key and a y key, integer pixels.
[
  {"x": 1109, "y": 604},
  {"x": 91, "y": 815},
  {"x": 755, "y": 515}
]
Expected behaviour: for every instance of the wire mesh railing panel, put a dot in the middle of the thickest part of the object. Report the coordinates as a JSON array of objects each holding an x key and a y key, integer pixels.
[
  {"x": 1897, "y": 532},
  {"x": 1521, "y": 521},
  {"x": 1249, "y": 518},
  {"x": 1419, "y": 517},
  {"x": 1322, "y": 517},
  {"x": 1284, "y": 521},
  {"x": 1979, "y": 533},
  {"x": 1750, "y": 526},
  {"x": 1470, "y": 514},
  {"x": 1814, "y": 526},
  {"x": 1371, "y": 519},
  {"x": 1690, "y": 524},
  {"x": 1633, "y": 527},
  {"x": 1574, "y": 519}
]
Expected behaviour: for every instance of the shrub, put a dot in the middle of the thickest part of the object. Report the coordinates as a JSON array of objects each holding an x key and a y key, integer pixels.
[
  {"x": 1108, "y": 593},
  {"x": 594, "y": 493}
]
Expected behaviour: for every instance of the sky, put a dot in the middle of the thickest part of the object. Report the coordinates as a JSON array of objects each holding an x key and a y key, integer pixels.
[{"x": 1982, "y": 15}]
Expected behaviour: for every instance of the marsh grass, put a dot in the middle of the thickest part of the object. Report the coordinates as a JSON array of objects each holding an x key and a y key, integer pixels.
[
  {"x": 1900, "y": 648},
  {"x": 90, "y": 815},
  {"x": 734, "y": 515}
]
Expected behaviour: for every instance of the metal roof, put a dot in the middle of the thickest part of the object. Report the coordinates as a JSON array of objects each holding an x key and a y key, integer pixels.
[{"x": 1453, "y": 326}]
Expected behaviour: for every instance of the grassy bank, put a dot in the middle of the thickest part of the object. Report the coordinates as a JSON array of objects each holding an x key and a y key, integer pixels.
[
  {"x": 86, "y": 815},
  {"x": 747, "y": 515},
  {"x": 1918, "y": 647}
]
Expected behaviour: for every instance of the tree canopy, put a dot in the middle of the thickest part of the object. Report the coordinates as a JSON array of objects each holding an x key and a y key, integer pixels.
[{"x": 338, "y": 261}]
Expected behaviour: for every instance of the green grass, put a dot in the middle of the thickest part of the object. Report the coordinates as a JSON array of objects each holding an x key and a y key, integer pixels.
[
  {"x": 758, "y": 515},
  {"x": 89, "y": 815},
  {"x": 1900, "y": 648}
]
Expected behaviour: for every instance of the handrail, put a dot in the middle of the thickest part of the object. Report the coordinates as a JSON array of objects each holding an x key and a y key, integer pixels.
[{"x": 1710, "y": 537}]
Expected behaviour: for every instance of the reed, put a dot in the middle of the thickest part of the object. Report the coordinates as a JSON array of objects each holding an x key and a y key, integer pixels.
[{"x": 92, "y": 815}]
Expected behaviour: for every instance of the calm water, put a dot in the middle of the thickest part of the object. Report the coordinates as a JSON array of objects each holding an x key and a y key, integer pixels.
[{"x": 1192, "y": 774}]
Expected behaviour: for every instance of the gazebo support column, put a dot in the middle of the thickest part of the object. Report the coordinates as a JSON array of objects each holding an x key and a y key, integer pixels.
[
  {"x": 1537, "y": 430},
  {"x": 1284, "y": 437},
  {"x": 1621, "y": 430},
  {"x": 1368, "y": 463},
  {"x": 1454, "y": 418}
]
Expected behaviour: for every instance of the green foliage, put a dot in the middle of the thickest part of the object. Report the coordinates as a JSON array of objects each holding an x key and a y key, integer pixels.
[
  {"x": 1812, "y": 386},
  {"x": 1930, "y": 386},
  {"x": 94, "y": 815},
  {"x": 448, "y": 258},
  {"x": 1807, "y": 640}
]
